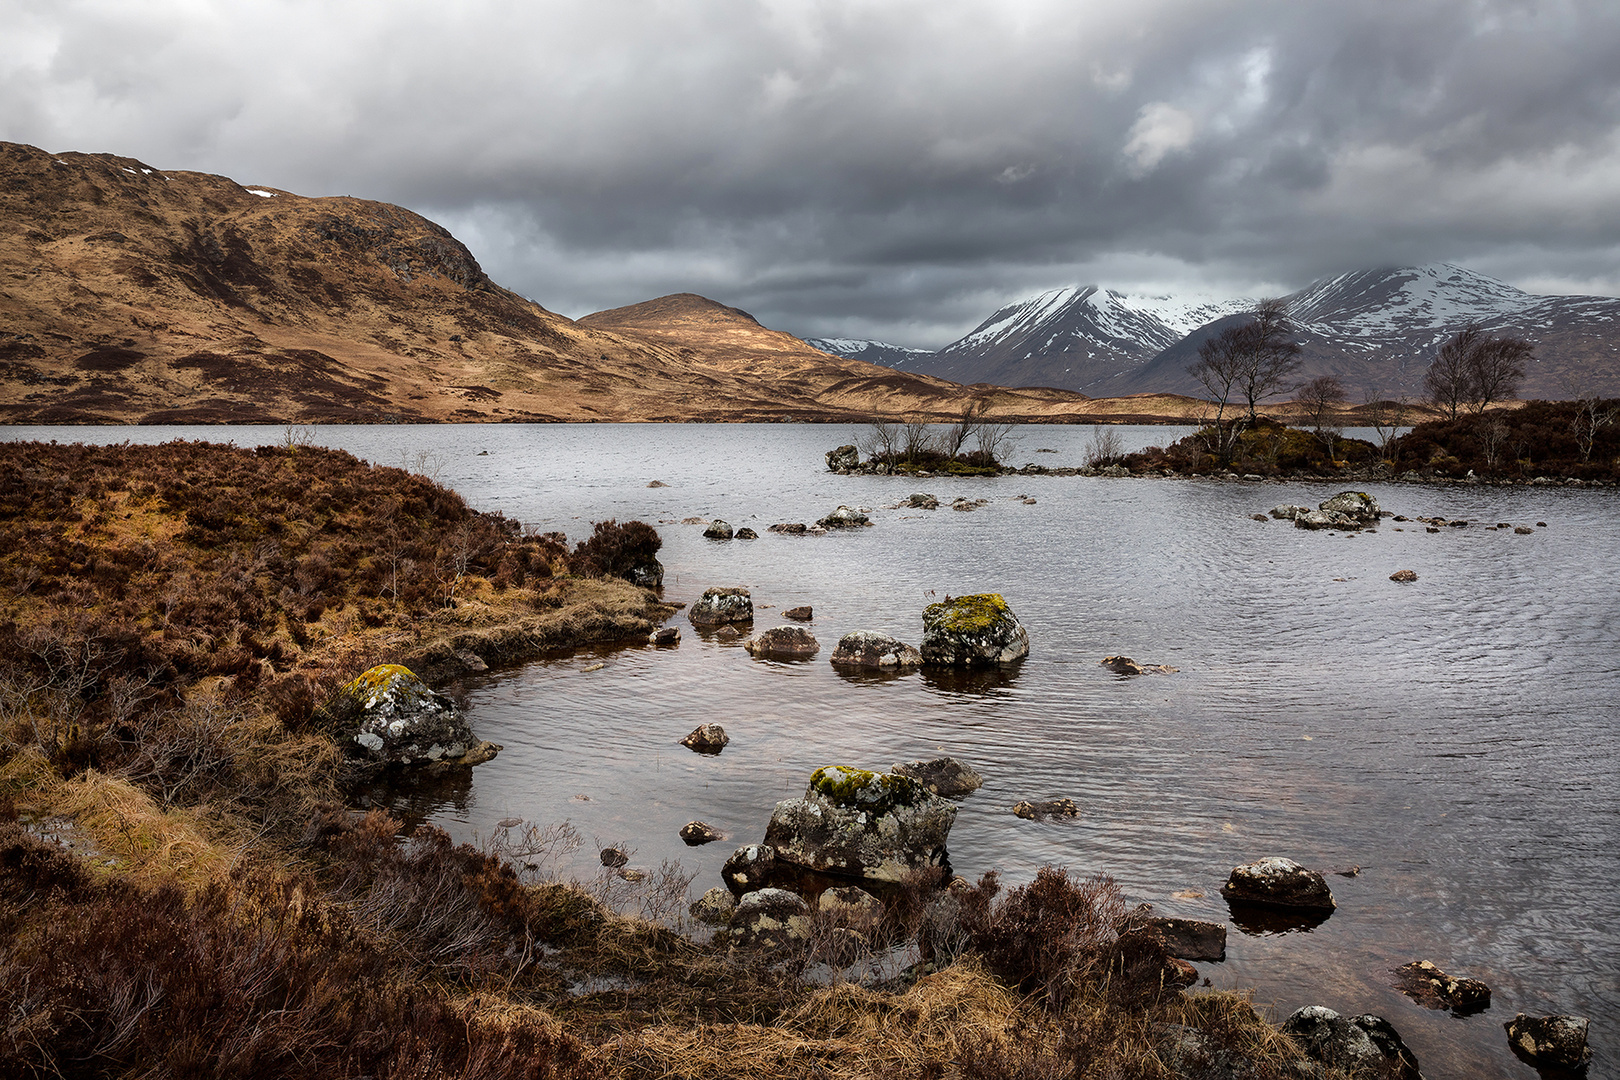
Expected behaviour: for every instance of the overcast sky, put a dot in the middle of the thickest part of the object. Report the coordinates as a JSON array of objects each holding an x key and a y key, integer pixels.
[{"x": 879, "y": 168}]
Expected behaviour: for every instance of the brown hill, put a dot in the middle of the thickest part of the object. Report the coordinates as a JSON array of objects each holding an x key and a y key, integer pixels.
[{"x": 130, "y": 294}]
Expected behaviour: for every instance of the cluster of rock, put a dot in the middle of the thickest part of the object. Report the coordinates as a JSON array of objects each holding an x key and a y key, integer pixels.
[
  {"x": 401, "y": 721},
  {"x": 722, "y": 530},
  {"x": 1349, "y": 510}
]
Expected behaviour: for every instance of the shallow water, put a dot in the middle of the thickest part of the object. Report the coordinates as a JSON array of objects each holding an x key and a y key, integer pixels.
[{"x": 1455, "y": 738}]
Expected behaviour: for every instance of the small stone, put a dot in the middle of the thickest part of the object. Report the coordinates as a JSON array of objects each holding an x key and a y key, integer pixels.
[
  {"x": 1524, "y": 530},
  {"x": 1189, "y": 939},
  {"x": 718, "y": 530},
  {"x": 800, "y": 614},
  {"x": 699, "y": 832},
  {"x": 1259, "y": 517},
  {"x": 844, "y": 518},
  {"x": 1432, "y": 988},
  {"x": 716, "y": 607},
  {"x": 789, "y": 528},
  {"x": 1124, "y": 665},
  {"x": 1035, "y": 811},
  {"x": 746, "y": 533},
  {"x": 656, "y": 484},
  {"x": 666, "y": 635},
  {"x": 707, "y": 739},
  {"x": 614, "y": 857},
  {"x": 922, "y": 500},
  {"x": 727, "y": 634},
  {"x": 1404, "y": 575},
  {"x": 748, "y": 868}
]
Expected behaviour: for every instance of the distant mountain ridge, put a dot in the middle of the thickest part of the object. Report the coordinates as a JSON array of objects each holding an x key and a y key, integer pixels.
[{"x": 1375, "y": 330}]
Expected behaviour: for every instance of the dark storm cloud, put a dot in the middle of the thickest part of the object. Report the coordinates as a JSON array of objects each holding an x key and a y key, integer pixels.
[{"x": 890, "y": 168}]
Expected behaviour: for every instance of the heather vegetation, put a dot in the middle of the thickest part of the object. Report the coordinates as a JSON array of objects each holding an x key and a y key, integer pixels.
[
  {"x": 1571, "y": 439},
  {"x": 174, "y": 622}
]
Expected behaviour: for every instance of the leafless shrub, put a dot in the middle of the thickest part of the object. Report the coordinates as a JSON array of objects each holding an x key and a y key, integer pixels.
[{"x": 1104, "y": 446}]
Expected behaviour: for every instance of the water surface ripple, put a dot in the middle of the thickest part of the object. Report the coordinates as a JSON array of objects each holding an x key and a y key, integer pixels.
[{"x": 1455, "y": 738}]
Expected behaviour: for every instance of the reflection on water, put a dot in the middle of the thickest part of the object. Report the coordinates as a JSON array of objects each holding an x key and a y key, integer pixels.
[{"x": 1455, "y": 737}]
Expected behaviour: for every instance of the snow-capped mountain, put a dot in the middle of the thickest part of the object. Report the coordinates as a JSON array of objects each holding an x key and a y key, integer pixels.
[
  {"x": 1079, "y": 338},
  {"x": 872, "y": 352},
  {"x": 1375, "y": 330}
]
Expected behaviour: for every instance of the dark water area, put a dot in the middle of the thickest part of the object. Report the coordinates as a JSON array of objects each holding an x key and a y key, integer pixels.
[{"x": 1456, "y": 738}]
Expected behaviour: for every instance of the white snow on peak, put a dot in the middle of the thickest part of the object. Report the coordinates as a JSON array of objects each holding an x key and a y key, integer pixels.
[
  {"x": 1026, "y": 314},
  {"x": 850, "y": 346},
  {"x": 260, "y": 193},
  {"x": 129, "y": 170}
]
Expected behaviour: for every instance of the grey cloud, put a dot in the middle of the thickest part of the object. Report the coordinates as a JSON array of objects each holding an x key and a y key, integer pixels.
[{"x": 894, "y": 169}]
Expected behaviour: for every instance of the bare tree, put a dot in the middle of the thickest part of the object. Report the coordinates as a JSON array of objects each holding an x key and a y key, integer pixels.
[
  {"x": 916, "y": 437},
  {"x": 995, "y": 441},
  {"x": 1474, "y": 369},
  {"x": 1273, "y": 354},
  {"x": 960, "y": 433},
  {"x": 1319, "y": 400},
  {"x": 880, "y": 441},
  {"x": 1219, "y": 364},
  {"x": 1592, "y": 415},
  {"x": 1388, "y": 417},
  {"x": 1105, "y": 445}
]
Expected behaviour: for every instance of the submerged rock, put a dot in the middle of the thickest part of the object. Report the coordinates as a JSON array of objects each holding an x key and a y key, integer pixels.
[
  {"x": 1035, "y": 811},
  {"x": 1556, "y": 1042},
  {"x": 718, "y": 530},
  {"x": 844, "y": 518},
  {"x": 943, "y": 776},
  {"x": 707, "y": 739},
  {"x": 972, "y": 630},
  {"x": 717, "y": 607},
  {"x": 1288, "y": 512},
  {"x": 783, "y": 643},
  {"x": 789, "y": 528},
  {"x": 862, "y": 824},
  {"x": 649, "y": 575},
  {"x": 867, "y": 649},
  {"x": 1432, "y": 988},
  {"x": 1188, "y": 939},
  {"x": 1357, "y": 1044},
  {"x": 699, "y": 832},
  {"x": 922, "y": 501},
  {"x": 402, "y": 721},
  {"x": 1277, "y": 882},
  {"x": 1403, "y": 575},
  {"x": 803, "y": 613},
  {"x": 1124, "y": 665}
]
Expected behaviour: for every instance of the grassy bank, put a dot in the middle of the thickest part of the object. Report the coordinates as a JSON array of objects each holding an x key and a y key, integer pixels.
[{"x": 185, "y": 890}]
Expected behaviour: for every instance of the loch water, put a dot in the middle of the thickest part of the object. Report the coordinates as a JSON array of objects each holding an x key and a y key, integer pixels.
[{"x": 1457, "y": 738}]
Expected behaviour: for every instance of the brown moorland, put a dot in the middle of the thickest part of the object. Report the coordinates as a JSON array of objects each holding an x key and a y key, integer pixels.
[
  {"x": 174, "y": 615},
  {"x": 136, "y": 295}
]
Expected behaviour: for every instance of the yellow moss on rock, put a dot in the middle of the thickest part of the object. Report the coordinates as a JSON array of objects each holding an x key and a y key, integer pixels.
[{"x": 967, "y": 614}]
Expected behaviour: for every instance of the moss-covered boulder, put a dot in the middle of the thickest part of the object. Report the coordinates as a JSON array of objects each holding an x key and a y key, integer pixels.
[
  {"x": 972, "y": 631},
  {"x": 861, "y": 824},
  {"x": 402, "y": 721}
]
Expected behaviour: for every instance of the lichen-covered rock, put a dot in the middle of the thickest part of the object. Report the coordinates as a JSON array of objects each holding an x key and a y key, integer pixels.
[
  {"x": 1403, "y": 575},
  {"x": 866, "y": 649},
  {"x": 1288, "y": 512},
  {"x": 1035, "y": 811},
  {"x": 856, "y": 823},
  {"x": 943, "y": 776},
  {"x": 695, "y": 833},
  {"x": 843, "y": 457},
  {"x": 851, "y": 905},
  {"x": 1277, "y": 882},
  {"x": 718, "y": 607},
  {"x": 922, "y": 501},
  {"x": 402, "y": 721},
  {"x": 971, "y": 631},
  {"x": 788, "y": 528},
  {"x": 718, "y": 530},
  {"x": 707, "y": 739},
  {"x": 665, "y": 636},
  {"x": 1359, "y": 1045},
  {"x": 1557, "y": 1042},
  {"x": 1432, "y": 988},
  {"x": 1124, "y": 665},
  {"x": 649, "y": 575},
  {"x": 714, "y": 907},
  {"x": 844, "y": 518},
  {"x": 783, "y": 643},
  {"x": 769, "y": 918},
  {"x": 1324, "y": 519},
  {"x": 749, "y": 868},
  {"x": 1358, "y": 506}
]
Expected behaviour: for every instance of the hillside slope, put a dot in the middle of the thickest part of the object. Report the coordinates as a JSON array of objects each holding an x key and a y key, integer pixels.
[{"x": 129, "y": 294}]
